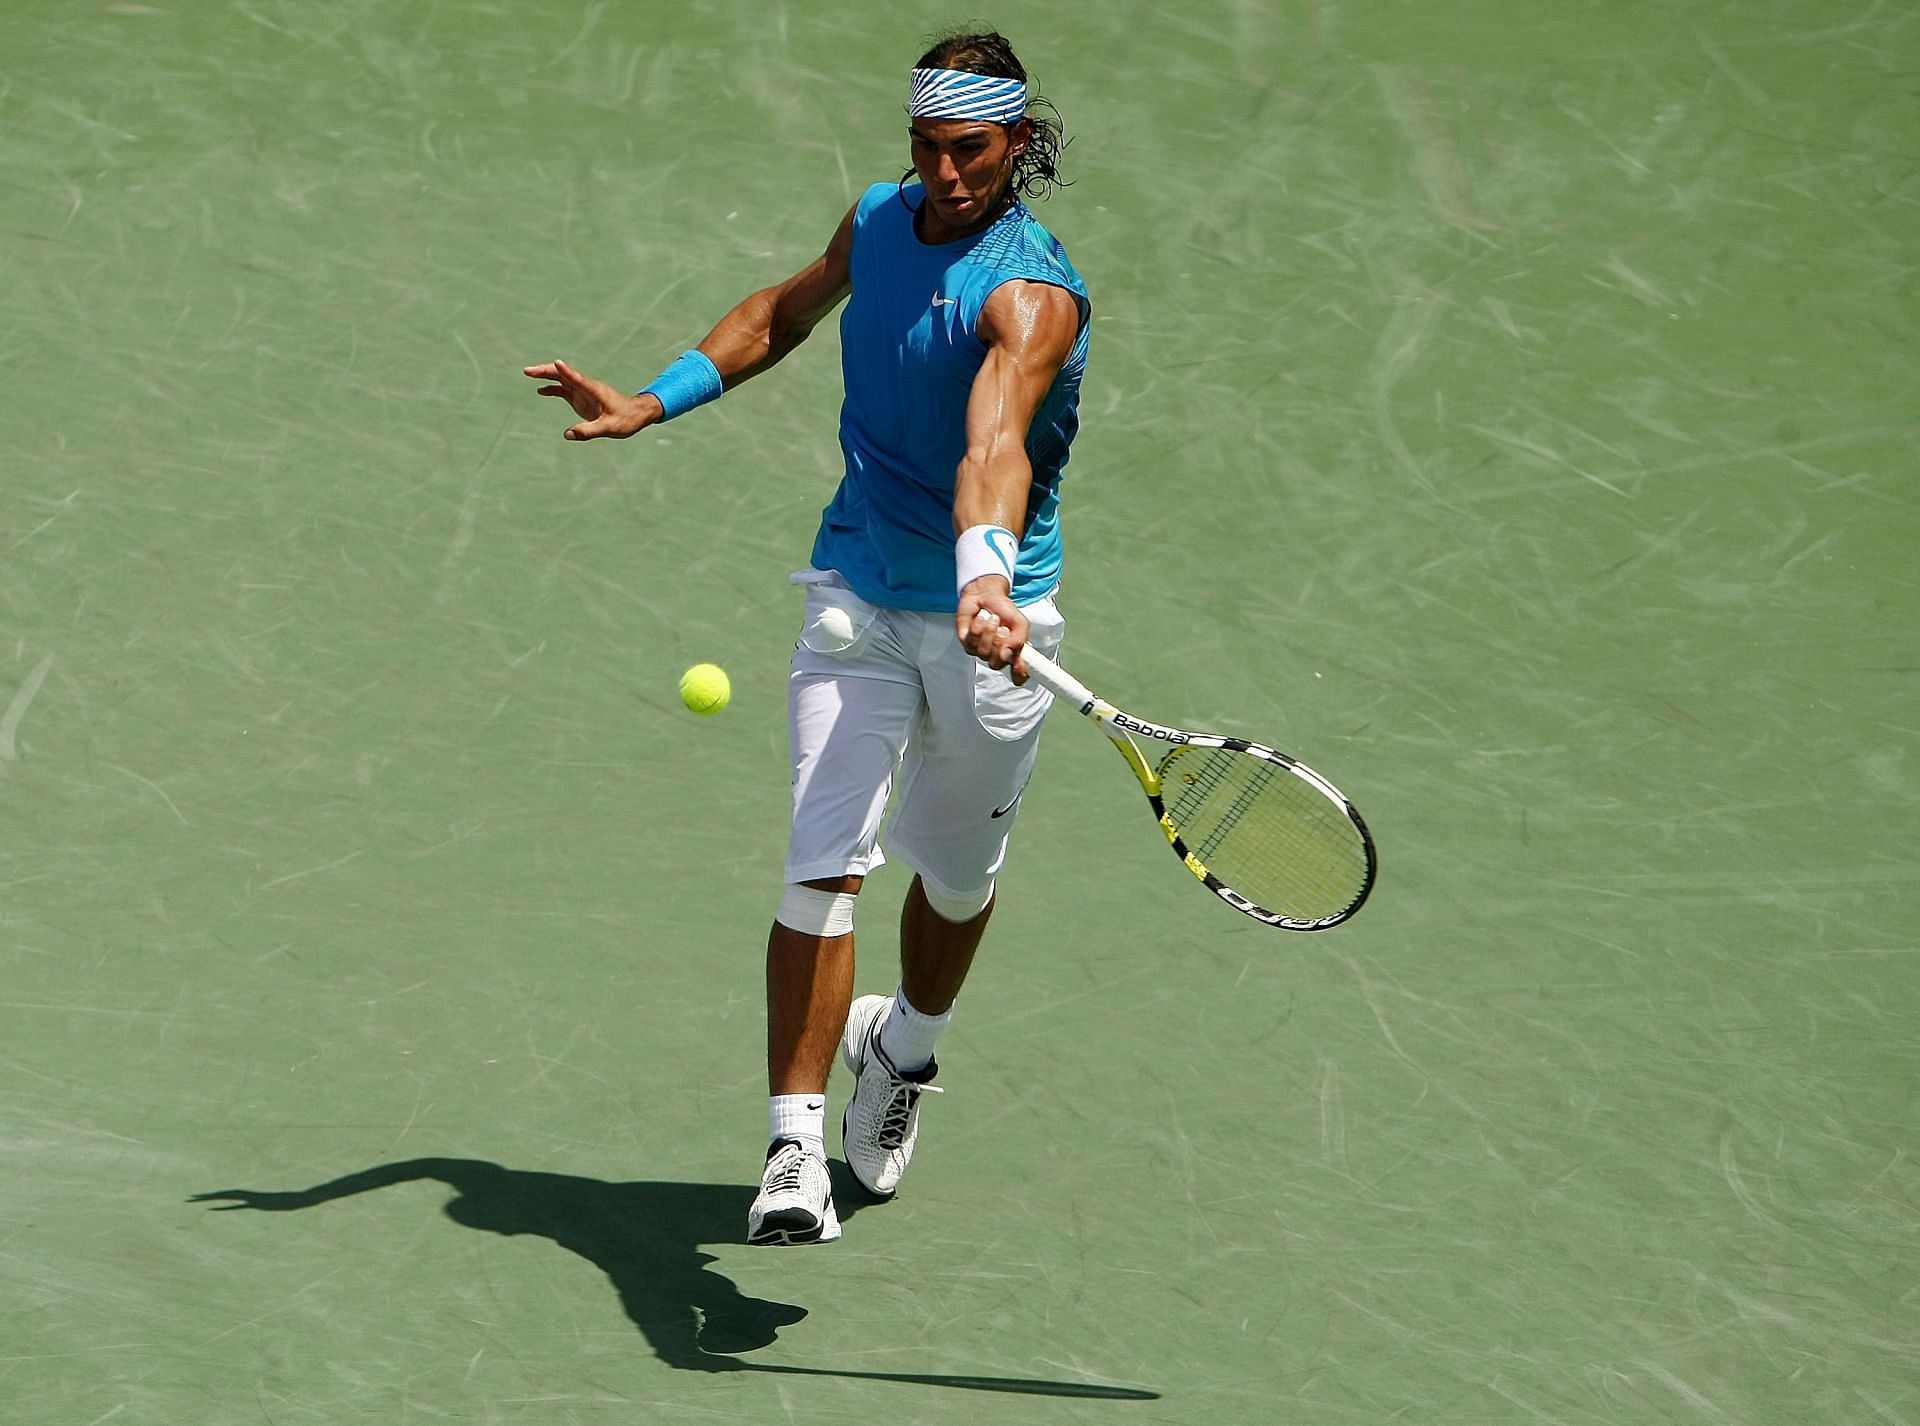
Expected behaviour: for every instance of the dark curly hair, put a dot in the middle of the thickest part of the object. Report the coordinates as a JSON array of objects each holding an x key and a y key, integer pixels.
[{"x": 1036, "y": 173}]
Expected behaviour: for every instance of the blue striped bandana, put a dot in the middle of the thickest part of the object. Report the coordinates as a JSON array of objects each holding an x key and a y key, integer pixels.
[{"x": 956, "y": 94}]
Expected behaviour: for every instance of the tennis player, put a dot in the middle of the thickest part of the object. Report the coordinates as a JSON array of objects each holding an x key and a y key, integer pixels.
[{"x": 963, "y": 344}]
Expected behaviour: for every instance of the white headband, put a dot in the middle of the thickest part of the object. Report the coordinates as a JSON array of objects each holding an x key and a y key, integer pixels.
[{"x": 956, "y": 94}]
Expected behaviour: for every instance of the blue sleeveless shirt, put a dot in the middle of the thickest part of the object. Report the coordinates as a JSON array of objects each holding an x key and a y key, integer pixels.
[{"x": 909, "y": 355}]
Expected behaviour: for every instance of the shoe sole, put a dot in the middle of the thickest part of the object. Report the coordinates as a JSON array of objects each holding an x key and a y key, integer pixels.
[{"x": 791, "y": 1229}]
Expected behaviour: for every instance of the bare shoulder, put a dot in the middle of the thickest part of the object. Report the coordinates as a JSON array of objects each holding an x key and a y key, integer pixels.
[
  {"x": 822, "y": 284},
  {"x": 839, "y": 253},
  {"x": 1040, "y": 318},
  {"x": 842, "y": 239}
]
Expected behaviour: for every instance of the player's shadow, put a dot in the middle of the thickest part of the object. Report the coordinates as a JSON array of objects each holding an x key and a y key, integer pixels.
[{"x": 647, "y": 1238}]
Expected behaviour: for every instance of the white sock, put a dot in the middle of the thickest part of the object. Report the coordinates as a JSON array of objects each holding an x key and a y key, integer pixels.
[
  {"x": 799, "y": 1116},
  {"x": 908, "y": 1036}
]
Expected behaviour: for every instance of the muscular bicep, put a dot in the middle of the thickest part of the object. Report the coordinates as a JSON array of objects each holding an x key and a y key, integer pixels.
[{"x": 1029, "y": 329}]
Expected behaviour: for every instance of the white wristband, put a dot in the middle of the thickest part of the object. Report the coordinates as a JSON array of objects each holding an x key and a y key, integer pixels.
[{"x": 985, "y": 549}]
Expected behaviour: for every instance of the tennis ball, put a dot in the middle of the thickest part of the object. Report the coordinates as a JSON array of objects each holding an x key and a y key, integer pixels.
[{"x": 704, "y": 688}]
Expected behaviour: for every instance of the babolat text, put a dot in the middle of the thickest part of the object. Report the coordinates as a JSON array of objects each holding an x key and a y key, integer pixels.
[{"x": 1149, "y": 730}]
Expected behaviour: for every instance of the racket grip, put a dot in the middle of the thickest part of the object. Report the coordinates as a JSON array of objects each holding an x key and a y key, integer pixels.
[{"x": 1057, "y": 681}]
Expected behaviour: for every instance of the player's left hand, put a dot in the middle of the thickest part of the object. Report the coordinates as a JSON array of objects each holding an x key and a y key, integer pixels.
[
  {"x": 229, "y": 1199},
  {"x": 991, "y": 626},
  {"x": 604, "y": 410}
]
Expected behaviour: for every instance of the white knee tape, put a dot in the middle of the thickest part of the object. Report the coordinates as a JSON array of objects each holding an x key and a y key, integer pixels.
[
  {"x": 813, "y": 912},
  {"x": 956, "y": 906}
]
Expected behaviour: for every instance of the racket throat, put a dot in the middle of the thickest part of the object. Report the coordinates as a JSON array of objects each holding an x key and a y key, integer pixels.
[{"x": 1113, "y": 722}]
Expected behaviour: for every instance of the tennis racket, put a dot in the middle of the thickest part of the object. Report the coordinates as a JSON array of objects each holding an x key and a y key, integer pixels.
[{"x": 1266, "y": 834}]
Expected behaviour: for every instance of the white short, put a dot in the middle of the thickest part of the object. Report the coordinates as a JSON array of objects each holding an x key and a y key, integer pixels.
[{"x": 885, "y": 701}]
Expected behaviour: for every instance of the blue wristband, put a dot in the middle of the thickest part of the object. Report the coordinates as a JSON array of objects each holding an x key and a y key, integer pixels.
[{"x": 692, "y": 380}]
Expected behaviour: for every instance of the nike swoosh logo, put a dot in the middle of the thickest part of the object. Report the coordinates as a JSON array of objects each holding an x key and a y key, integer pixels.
[
  {"x": 821, "y": 1105},
  {"x": 1005, "y": 548},
  {"x": 1000, "y": 812},
  {"x": 946, "y": 301}
]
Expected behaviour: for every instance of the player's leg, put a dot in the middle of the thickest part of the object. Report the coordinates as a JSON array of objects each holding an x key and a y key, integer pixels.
[
  {"x": 959, "y": 795},
  {"x": 936, "y": 952},
  {"x": 851, "y": 710},
  {"x": 890, "y": 1039},
  {"x": 809, "y": 987},
  {"x": 809, "y": 983}
]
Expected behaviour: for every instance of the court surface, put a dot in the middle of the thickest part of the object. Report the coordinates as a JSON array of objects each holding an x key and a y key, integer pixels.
[{"x": 1509, "y": 409}]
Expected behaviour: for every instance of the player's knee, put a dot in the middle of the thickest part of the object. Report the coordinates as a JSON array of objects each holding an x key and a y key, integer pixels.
[
  {"x": 956, "y": 906},
  {"x": 813, "y": 911}
]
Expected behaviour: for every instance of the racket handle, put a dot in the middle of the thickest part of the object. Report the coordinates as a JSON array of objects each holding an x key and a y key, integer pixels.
[{"x": 1057, "y": 681}]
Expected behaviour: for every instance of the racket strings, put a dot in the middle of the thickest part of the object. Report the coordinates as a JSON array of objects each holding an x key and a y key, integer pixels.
[{"x": 1263, "y": 831}]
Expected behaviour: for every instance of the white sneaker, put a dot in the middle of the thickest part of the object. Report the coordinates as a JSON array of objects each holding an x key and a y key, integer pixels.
[
  {"x": 796, "y": 1199},
  {"x": 883, "y": 1116}
]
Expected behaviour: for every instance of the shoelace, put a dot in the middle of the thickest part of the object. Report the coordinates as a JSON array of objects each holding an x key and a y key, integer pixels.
[
  {"x": 785, "y": 1173},
  {"x": 892, "y": 1130}
]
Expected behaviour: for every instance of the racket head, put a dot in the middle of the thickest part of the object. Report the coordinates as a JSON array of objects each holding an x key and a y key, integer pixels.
[{"x": 1266, "y": 833}]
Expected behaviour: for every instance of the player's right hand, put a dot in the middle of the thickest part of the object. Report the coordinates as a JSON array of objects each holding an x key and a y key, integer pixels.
[
  {"x": 991, "y": 626},
  {"x": 604, "y": 410}
]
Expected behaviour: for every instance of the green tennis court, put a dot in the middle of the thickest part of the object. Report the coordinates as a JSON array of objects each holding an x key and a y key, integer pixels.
[{"x": 1511, "y": 410}]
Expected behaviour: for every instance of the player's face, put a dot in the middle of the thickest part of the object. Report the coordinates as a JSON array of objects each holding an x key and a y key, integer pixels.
[{"x": 966, "y": 166}]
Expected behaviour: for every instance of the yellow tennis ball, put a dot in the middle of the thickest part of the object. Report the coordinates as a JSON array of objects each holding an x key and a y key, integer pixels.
[{"x": 704, "y": 688}]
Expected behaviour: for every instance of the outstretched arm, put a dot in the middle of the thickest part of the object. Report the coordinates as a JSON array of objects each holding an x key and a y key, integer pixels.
[
  {"x": 755, "y": 335},
  {"x": 1029, "y": 329},
  {"x": 464, "y": 1175}
]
